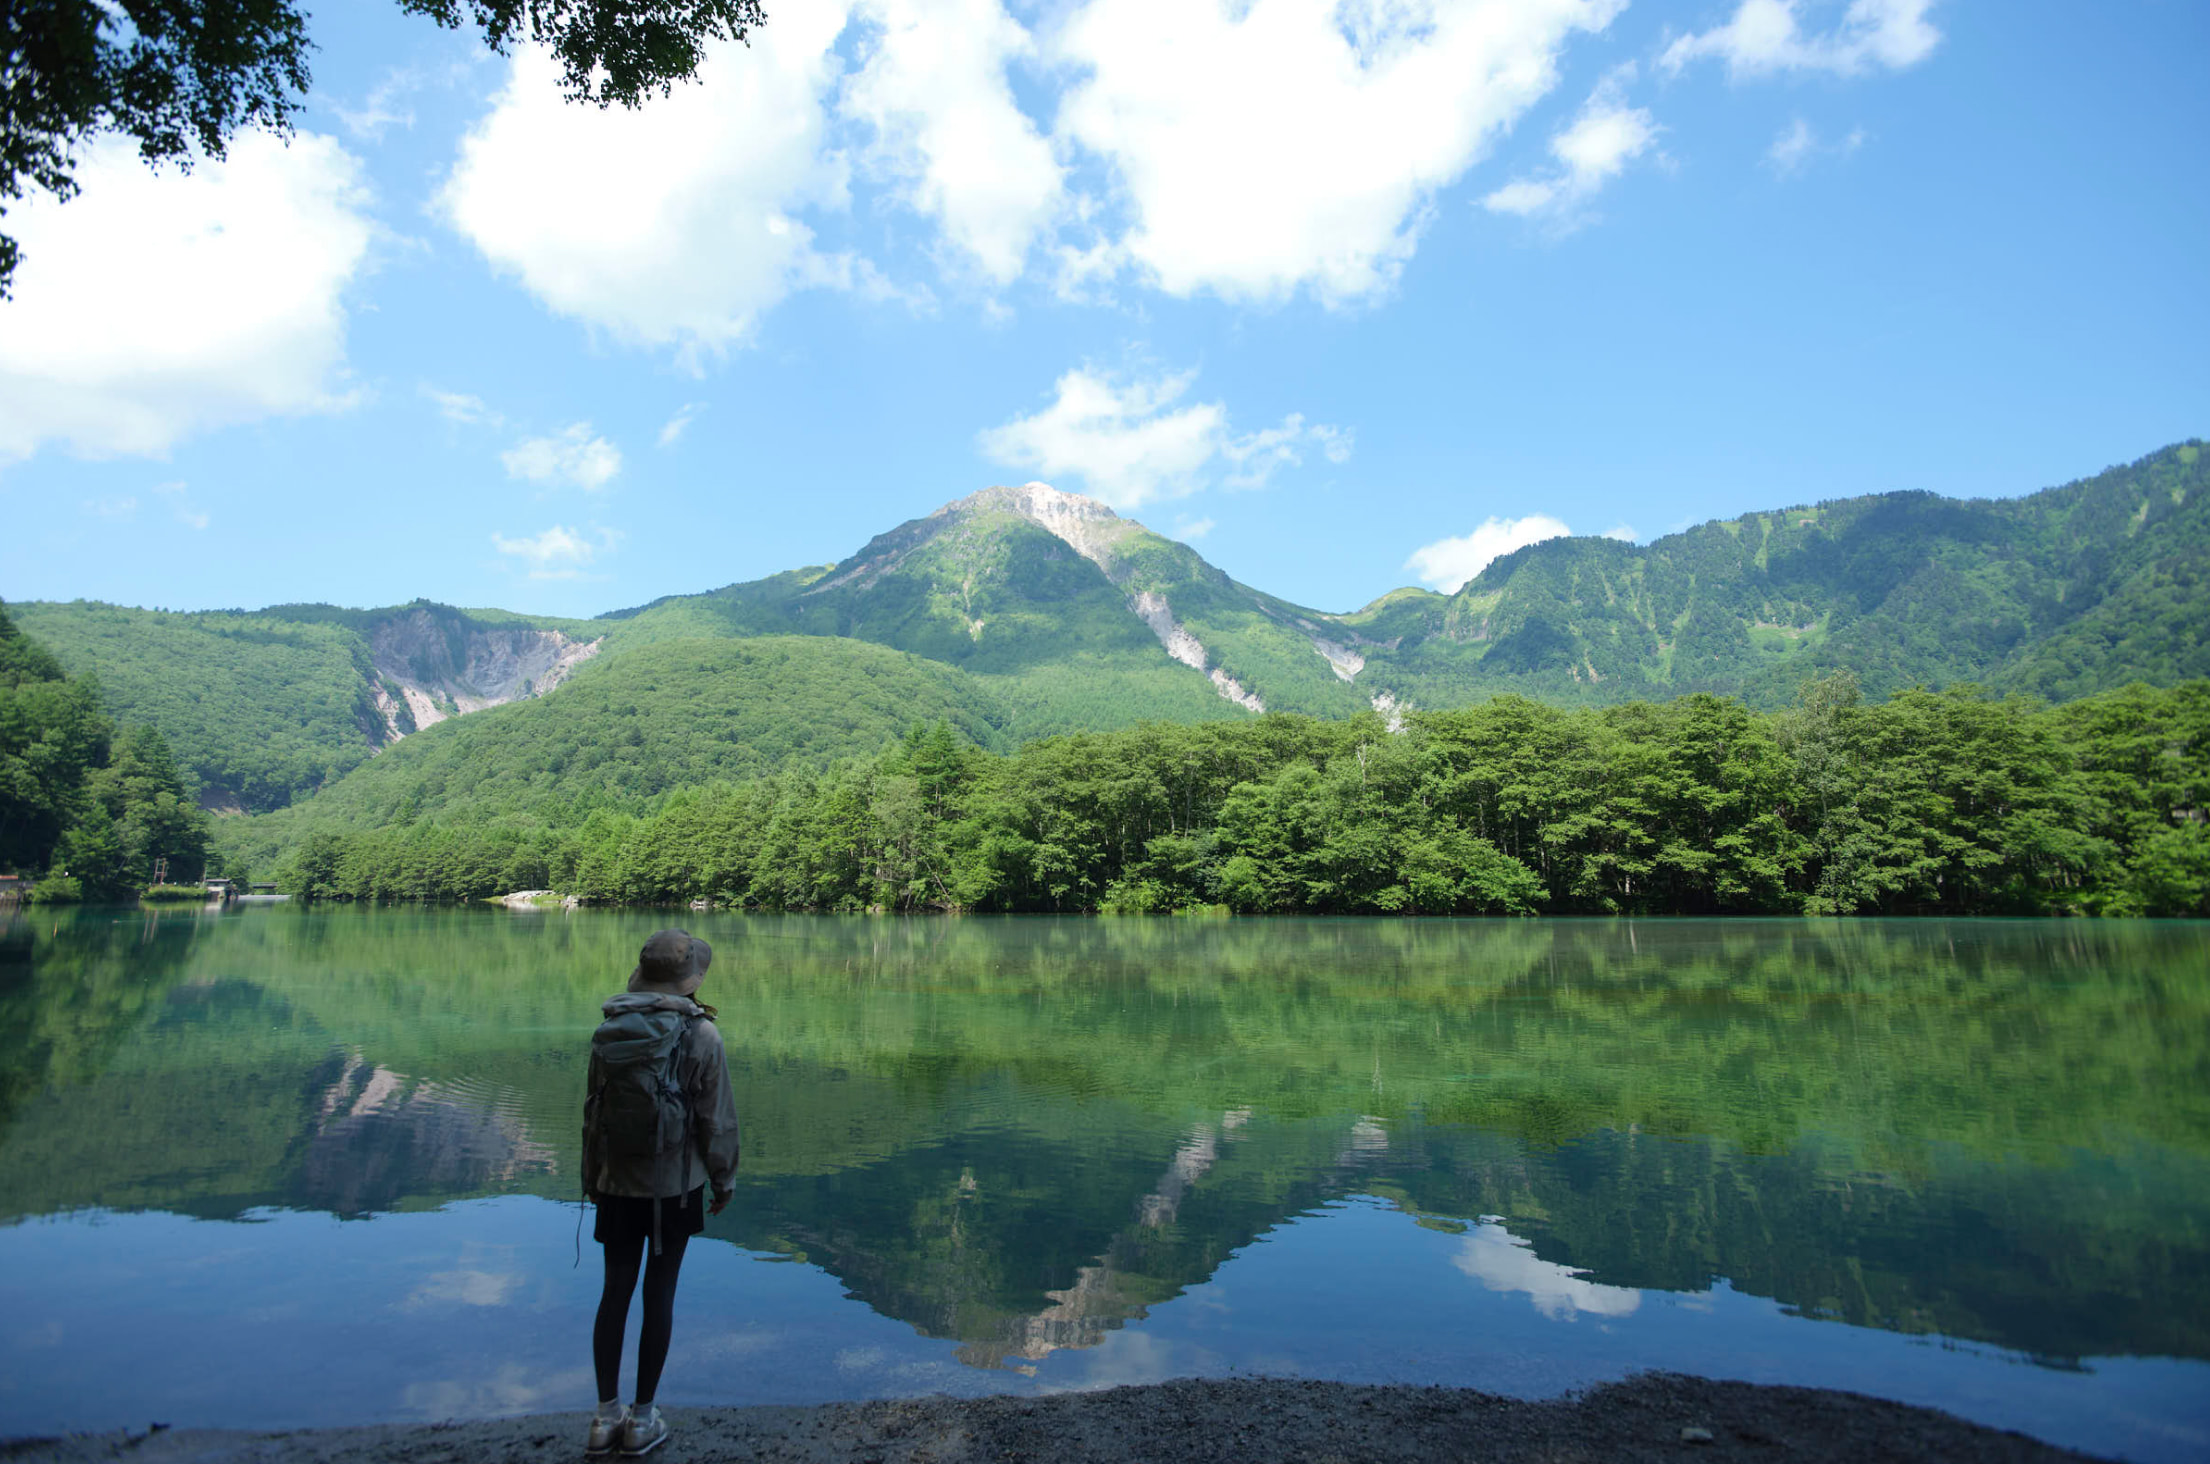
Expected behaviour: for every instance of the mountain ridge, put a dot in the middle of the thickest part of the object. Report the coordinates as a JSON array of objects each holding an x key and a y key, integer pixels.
[{"x": 1074, "y": 617}]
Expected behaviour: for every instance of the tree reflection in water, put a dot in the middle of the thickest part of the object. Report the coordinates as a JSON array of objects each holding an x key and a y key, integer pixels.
[{"x": 1020, "y": 1135}]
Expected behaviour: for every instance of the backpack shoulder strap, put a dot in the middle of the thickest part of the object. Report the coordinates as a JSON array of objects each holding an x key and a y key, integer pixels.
[{"x": 680, "y": 1057}]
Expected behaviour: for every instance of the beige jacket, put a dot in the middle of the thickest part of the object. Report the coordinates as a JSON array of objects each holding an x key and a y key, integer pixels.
[{"x": 703, "y": 1069}]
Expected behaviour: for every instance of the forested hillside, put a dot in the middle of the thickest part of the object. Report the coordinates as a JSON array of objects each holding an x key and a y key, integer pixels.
[
  {"x": 90, "y": 807},
  {"x": 1929, "y": 802},
  {"x": 666, "y": 716},
  {"x": 266, "y": 706},
  {"x": 2062, "y": 593},
  {"x": 261, "y": 707}
]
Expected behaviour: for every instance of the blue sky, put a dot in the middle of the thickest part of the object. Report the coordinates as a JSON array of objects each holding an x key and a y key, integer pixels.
[{"x": 1348, "y": 295}]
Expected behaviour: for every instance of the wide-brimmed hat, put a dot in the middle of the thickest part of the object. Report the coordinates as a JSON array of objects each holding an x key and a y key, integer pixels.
[{"x": 673, "y": 961}]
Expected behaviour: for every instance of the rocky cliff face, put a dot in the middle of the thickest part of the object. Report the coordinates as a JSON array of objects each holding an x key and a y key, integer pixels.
[
  {"x": 1095, "y": 532},
  {"x": 433, "y": 664}
]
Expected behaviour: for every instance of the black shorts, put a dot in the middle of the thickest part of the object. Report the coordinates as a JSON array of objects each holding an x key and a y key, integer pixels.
[{"x": 629, "y": 1218}]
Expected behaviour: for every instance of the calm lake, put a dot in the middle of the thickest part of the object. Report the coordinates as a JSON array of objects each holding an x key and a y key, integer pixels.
[{"x": 283, "y": 1166}]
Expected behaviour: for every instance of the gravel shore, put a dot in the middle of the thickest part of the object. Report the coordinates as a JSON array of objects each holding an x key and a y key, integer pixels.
[{"x": 1194, "y": 1421}]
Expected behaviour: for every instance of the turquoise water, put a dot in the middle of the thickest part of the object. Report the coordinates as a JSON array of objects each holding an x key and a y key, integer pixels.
[{"x": 284, "y": 1166}]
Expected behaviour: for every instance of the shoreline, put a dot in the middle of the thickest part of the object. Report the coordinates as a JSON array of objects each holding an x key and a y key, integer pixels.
[
  {"x": 570, "y": 904},
  {"x": 1651, "y": 1416}
]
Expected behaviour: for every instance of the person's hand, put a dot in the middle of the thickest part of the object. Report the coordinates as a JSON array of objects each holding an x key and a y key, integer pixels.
[{"x": 720, "y": 1202}]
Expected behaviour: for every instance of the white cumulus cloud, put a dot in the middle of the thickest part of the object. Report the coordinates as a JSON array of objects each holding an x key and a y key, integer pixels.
[
  {"x": 1259, "y": 147},
  {"x": 1591, "y": 150},
  {"x": 1130, "y": 443},
  {"x": 1253, "y": 149},
  {"x": 1447, "y": 564},
  {"x": 557, "y": 553},
  {"x": 1767, "y": 36},
  {"x": 158, "y": 304},
  {"x": 675, "y": 224},
  {"x": 934, "y": 89},
  {"x": 572, "y": 457}
]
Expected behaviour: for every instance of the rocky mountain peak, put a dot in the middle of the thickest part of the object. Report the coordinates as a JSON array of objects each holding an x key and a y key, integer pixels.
[
  {"x": 1037, "y": 502},
  {"x": 1086, "y": 525}
]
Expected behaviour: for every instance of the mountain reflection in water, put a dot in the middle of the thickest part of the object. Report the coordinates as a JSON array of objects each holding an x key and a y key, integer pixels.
[
  {"x": 1021, "y": 1136},
  {"x": 379, "y": 1136}
]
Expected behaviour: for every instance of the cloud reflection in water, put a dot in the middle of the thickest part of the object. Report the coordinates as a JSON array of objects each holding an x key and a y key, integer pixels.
[{"x": 1501, "y": 1261}]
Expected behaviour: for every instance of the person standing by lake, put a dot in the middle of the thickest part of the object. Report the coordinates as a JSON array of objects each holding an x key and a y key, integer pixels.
[{"x": 659, "y": 1126}]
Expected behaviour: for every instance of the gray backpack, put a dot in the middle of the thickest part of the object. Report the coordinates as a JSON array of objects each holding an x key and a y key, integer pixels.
[{"x": 637, "y": 1109}]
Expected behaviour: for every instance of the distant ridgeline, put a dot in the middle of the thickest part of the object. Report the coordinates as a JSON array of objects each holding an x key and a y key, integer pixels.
[{"x": 1044, "y": 612}]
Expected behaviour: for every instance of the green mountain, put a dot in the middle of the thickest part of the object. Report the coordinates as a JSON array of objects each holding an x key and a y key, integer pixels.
[
  {"x": 1066, "y": 617},
  {"x": 266, "y": 706},
  {"x": 664, "y": 716},
  {"x": 2062, "y": 593},
  {"x": 1078, "y": 618}
]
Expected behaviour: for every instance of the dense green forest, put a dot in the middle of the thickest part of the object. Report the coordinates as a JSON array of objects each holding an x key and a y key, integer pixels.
[
  {"x": 668, "y": 716},
  {"x": 1068, "y": 618},
  {"x": 2060, "y": 593},
  {"x": 1927, "y": 802},
  {"x": 264, "y": 707},
  {"x": 88, "y": 806}
]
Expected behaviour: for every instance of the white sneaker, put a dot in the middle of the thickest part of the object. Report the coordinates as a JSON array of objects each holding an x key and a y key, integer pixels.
[
  {"x": 644, "y": 1432},
  {"x": 606, "y": 1431}
]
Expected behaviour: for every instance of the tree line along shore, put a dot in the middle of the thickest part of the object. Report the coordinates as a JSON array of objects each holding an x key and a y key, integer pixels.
[
  {"x": 1927, "y": 803},
  {"x": 1951, "y": 802}
]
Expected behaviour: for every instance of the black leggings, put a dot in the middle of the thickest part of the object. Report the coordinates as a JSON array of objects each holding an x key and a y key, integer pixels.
[{"x": 623, "y": 1253}]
